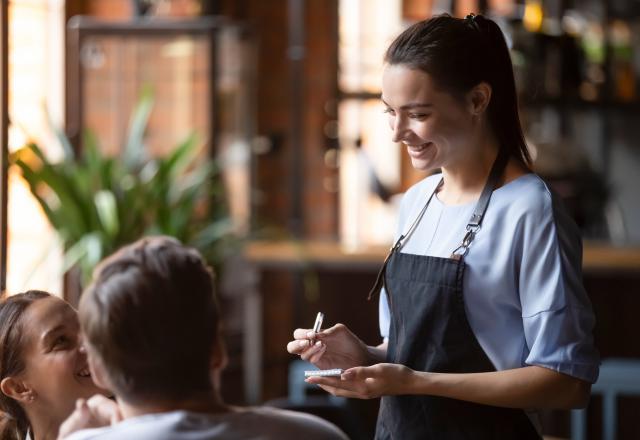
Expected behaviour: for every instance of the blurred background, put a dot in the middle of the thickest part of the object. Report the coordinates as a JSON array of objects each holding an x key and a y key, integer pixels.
[{"x": 274, "y": 104}]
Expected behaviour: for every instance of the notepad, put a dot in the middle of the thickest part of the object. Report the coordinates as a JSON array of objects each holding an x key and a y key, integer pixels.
[{"x": 332, "y": 372}]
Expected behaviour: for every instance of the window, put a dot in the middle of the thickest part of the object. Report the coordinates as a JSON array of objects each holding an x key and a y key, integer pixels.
[
  {"x": 36, "y": 87},
  {"x": 368, "y": 158}
]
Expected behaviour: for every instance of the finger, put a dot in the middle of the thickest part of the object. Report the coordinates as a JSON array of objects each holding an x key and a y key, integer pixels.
[
  {"x": 78, "y": 419},
  {"x": 301, "y": 333},
  {"x": 309, "y": 333},
  {"x": 321, "y": 334},
  {"x": 324, "y": 380},
  {"x": 308, "y": 353},
  {"x": 105, "y": 411},
  {"x": 331, "y": 330},
  {"x": 82, "y": 407},
  {"x": 341, "y": 392},
  {"x": 357, "y": 373},
  {"x": 97, "y": 400},
  {"x": 298, "y": 346},
  {"x": 314, "y": 359}
]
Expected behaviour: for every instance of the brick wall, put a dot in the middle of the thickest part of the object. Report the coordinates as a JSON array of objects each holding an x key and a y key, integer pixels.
[
  {"x": 269, "y": 22},
  {"x": 273, "y": 106}
]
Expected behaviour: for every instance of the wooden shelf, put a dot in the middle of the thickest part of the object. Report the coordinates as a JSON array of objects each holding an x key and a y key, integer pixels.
[
  {"x": 273, "y": 254},
  {"x": 597, "y": 257},
  {"x": 604, "y": 257}
]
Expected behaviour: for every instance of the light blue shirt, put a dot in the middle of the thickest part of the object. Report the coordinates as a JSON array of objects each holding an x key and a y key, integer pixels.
[{"x": 523, "y": 289}]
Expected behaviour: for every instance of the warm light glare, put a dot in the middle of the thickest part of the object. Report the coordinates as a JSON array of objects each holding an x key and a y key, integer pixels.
[
  {"x": 364, "y": 218},
  {"x": 34, "y": 253},
  {"x": 533, "y": 15},
  {"x": 36, "y": 30},
  {"x": 366, "y": 28}
]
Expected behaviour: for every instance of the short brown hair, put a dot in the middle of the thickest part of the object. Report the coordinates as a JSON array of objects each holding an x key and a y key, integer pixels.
[{"x": 151, "y": 316}]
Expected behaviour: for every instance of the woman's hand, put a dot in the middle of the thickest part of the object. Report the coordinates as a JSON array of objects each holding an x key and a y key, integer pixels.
[
  {"x": 335, "y": 347},
  {"x": 368, "y": 382},
  {"x": 96, "y": 412}
]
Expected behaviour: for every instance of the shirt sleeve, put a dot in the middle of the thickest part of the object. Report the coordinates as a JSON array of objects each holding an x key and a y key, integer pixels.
[{"x": 557, "y": 316}]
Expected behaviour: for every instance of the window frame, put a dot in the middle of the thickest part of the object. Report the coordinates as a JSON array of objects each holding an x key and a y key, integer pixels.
[{"x": 4, "y": 138}]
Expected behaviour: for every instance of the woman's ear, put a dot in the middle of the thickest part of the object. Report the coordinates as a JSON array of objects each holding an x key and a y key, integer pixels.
[
  {"x": 17, "y": 390},
  {"x": 478, "y": 98}
]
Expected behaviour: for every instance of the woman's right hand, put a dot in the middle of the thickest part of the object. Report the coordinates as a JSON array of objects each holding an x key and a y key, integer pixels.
[
  {"x": 96, "y": 412},
  {"x": 335, "y": 347}
]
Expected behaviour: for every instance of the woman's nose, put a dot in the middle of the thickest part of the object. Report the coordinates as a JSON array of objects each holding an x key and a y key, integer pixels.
[
  {"x": 82, "y": 349},
  {"x": 398, "y": 130}
]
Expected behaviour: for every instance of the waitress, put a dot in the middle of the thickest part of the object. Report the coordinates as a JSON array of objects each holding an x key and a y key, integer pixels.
[{"x": 483, "y": 314}]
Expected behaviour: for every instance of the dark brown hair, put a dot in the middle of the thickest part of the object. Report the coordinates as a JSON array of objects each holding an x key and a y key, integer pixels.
[
  {"x": 151, "y": 316},
  {"x": 13, "y": 420},
  {"x": 460, "y": 54}
]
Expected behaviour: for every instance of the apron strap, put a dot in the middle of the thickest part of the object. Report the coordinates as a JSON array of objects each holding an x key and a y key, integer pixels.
[
  {"x": 472, "y": 226},
  {"x": 379, "y": 283}
]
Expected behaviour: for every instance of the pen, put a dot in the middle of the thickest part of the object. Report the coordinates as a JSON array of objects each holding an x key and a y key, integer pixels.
[{"x": 318, "y": 324}]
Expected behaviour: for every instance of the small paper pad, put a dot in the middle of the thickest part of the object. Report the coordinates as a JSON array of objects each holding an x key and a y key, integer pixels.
[{"x": 333, "y": 372}]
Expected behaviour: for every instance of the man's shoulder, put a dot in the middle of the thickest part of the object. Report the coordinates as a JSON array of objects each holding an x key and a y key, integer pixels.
[
  {"x": 149, "y": 426},
  {"x": 294, "y": 423},
  {"x": 247, "y": 423}
]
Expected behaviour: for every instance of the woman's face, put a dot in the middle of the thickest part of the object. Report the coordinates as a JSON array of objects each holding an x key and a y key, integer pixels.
[
  {"x": 56, "y": 367},
  {"x": 435, "y": 127}
]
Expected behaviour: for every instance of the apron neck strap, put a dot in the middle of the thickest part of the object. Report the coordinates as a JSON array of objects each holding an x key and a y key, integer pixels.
[
  {"x": 379, "y": 283},
  {"x": 497, "y": 169},
  {"x": 473, "y": 226},
  {"x": 492, "y": 181}
]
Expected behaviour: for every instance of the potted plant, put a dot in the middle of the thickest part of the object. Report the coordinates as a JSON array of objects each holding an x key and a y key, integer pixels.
[{"x": 97, "y": 203}]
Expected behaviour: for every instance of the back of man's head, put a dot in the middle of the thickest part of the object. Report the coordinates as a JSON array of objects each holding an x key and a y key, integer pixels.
[{"x": 150, "y": 319}]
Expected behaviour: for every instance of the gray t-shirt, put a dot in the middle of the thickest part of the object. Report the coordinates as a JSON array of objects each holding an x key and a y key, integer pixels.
[{"x": 259, "y": 423}]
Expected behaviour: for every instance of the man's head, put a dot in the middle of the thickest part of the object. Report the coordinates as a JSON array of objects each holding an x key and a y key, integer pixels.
[{"x": 150, "y": 320}]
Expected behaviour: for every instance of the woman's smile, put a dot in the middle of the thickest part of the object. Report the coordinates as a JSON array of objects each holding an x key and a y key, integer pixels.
[
  {"x": 419, "y": 148},
  {"x": 416, "y": 151},
  {"x": 84, "y": 373}
]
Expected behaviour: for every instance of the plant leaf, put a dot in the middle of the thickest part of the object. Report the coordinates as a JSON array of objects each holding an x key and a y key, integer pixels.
[
  {"x": 107, "y": 210},
  {"x": 134, "y": 147}
]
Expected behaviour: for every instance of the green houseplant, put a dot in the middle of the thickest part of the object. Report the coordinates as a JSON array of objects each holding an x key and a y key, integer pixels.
[{"x": 97, "y": 203}]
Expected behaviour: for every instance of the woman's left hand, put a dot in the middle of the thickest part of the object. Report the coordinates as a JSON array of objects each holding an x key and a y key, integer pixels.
[{"x": 367, "y": 382}]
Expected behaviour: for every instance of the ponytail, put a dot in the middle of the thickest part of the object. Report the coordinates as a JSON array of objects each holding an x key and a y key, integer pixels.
[{"x": 503, "y": 108}]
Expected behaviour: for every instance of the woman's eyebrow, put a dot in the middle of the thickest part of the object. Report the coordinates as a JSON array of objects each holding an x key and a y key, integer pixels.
[{"x": 410, "y": 105}]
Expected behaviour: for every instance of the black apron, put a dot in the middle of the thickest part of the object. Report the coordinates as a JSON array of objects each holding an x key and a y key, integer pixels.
[{"x": 429, "y": 331}]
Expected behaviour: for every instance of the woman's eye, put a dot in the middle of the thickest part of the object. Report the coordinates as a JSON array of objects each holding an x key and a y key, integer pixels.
[
  {"x": 417, "y": 115},
  {"x": 61, "y": 342},
  {"x": 389, "y": 111}
]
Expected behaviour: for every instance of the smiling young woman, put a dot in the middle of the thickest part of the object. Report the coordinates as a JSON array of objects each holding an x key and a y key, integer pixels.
[
  {"x": 43, "y": 366},
  {"x": 483, "y": 315}
]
